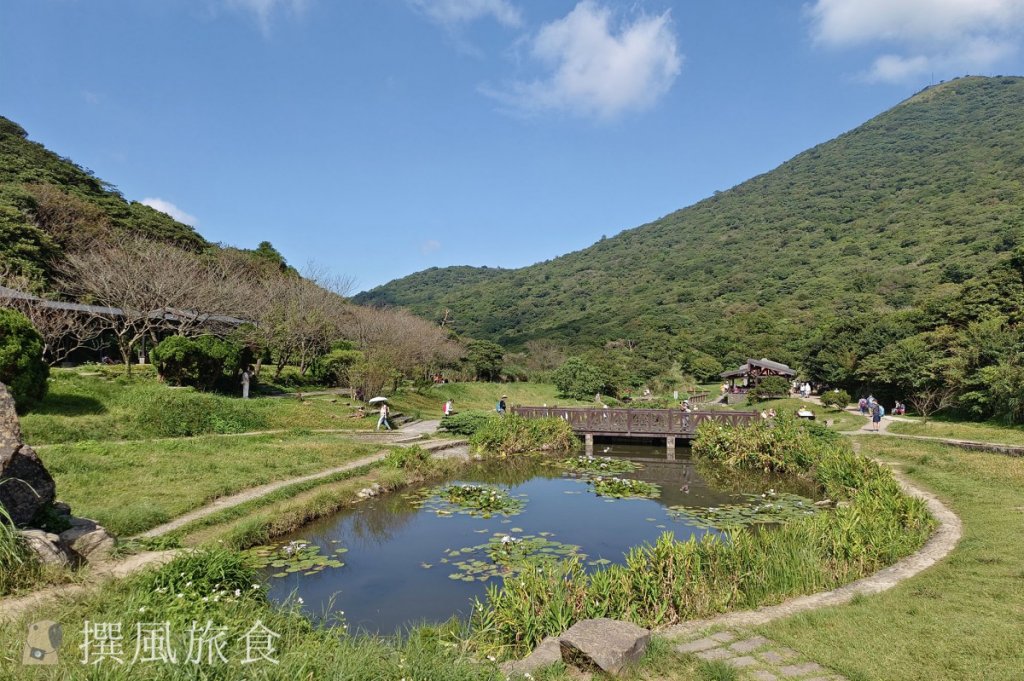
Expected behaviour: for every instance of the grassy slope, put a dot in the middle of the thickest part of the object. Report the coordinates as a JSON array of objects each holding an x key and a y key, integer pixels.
[
  {"x": 874, "y": 218},
  {"x": 107, "y": 407},
  {"x": 959, "y": 430},
  {"x": 429, "y": 404},
  {"x": 133, "y": 486},
  {"x": 960, "y": 619}
]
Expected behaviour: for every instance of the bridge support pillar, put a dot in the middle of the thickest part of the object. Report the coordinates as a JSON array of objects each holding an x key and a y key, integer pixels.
[
  {"x": 588, "y": 440},
  {"x": 670, "y": 447}
]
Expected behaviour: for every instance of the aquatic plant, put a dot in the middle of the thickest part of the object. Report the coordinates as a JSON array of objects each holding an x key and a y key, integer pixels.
[
  {"x": 507, "y": 554},
  {"x": 623, "y": 488},
  {"x": 482, "y": 501},
  {"x": 293, "y": 556},
  {"x": 758, "y": 509},
  {"x": 603, "y": 465},
  {"x": 516, "y": 435}
]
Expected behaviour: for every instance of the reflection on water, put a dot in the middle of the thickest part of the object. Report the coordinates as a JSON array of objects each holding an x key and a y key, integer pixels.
[{"x": 385, "y": 586}]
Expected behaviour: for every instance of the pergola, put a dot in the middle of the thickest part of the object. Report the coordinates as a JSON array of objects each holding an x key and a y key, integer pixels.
[{"x": 754, "y": 370}]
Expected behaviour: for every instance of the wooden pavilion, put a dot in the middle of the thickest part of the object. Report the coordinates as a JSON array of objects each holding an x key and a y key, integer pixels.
[{"x": 753, "y": 371}]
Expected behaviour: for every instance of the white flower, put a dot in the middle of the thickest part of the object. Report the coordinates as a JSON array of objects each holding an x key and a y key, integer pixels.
[
  {"x": 238, "y": 592},
  {"x": 142, "y": 609},
  {"x": 300, "y": 600}
]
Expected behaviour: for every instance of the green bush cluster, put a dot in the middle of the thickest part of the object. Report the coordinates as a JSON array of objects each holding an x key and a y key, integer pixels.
[
  {"x": 22, "y": 368},
  {"x": 672, "y": 581},
  {"x": 769, "y": 388},
  {"x": 206, "y": 362},
  {"x": 836, "y": 399},
  {"x": 184, "y": 412},
  {"x": 515, "y": 435},
  {"x": 467, "y": 422}
]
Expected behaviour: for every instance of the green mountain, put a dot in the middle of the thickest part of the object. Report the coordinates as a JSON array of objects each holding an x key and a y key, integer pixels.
[{"x": 890, "y": 215}]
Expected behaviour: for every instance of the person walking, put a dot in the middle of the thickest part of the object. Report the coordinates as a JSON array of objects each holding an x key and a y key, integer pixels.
[
  {"x": 500, "y": 407},
  {"x": 245, "y": 383},
  {"x": 384, "y": 412},
  {"x": 877, "y": 412}
]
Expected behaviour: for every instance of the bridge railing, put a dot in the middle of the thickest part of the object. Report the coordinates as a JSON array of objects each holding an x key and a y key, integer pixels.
[{"x": 636, "y": 422}]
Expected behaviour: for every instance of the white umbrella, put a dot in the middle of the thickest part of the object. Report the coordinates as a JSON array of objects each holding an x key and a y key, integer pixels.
[{"x": 375, "y": 400}]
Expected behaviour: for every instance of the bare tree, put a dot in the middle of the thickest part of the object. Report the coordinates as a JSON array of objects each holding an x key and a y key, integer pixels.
[
  {"x": 63, "y": 329},
  {"x": 139, "y": 288},
  {"x": 932, "y": 399}
]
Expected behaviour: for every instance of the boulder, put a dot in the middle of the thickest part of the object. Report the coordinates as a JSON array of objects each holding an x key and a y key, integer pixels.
[
  {"x": 47, "y": 547},
  {"x": 88, "y": 540},
  {"x": 27, "y": 486},
  {"x": 603, "y": 645},
  {"x": 547, "y": 653}
]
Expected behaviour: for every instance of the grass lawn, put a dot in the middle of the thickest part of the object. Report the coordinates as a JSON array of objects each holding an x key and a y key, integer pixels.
[
  {"x": 963, "y": 618},
  {"x": 961, "y": 430},
  {"x": 430, "y": 403},
  {"x": 130, "y": 487},
  {"x": 104, "y": 406},
  {"x": 841, "y": 420}
]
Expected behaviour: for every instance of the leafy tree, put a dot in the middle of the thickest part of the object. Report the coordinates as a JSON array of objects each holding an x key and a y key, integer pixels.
[
  {"x": 25, "y": 249},
  {"x": 705, "y": 368},
  {"x": 579, "y": 380},
  {"x": 206, "y": 362},
  {"x": 485, "y": 359},
  {"x": 22, "y": 368}
]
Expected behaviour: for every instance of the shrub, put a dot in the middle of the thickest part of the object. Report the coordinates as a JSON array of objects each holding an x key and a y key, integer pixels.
[
  {"x": 22, "y": 368},
  {"x": 769, "y": 387},
  {"x": 206, "y": 363},
  {"x": 333, "y": 368},
  {"x": 579, "y": 380},
  {"x": 515, "y": 434},
  {"x": 466, "y": 422},
  {"x": 836, "y": 399}
]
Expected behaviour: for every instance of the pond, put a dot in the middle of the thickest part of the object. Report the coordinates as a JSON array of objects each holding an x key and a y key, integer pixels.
[{"x": 406, "y": 558}]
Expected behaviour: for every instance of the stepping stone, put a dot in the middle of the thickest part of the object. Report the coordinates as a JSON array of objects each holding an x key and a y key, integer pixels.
[
  {"x": 603, "y": 644},
  {"x": 749, "y": 644},
  {"x": 773, "y": 657},
  {"x": 744, "y": 661},
  {"x": 697, "y": 646},
  {"x": 716, "y": 654},
  {"x": 762, "y": 675},
  {"x": 794, "y": 670},
  {"x": 724, "y": 636}
]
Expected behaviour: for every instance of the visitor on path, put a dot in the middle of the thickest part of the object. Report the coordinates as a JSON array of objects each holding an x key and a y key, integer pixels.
[
  {"x": 862, "y": 404},
  {"x": 448, "y": 406},
  {"x": 500, "y": 407},
  {"x": 245, "y": 383},
  {"x": 900, "y": 409},
  {"x": 384, "y": 412},
  {"x": 877, "y": 412}
]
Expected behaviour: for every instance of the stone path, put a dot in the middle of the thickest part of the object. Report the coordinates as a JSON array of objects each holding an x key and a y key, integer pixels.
[{"x": 757, "y": 658}]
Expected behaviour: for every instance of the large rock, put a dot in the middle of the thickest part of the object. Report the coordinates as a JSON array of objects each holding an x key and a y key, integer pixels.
[
  {"x": 26, "y": 485},
  {"x": 87, "y": 540},
  {"x": 47, "y": 547},
  {"x": 603, "y": 644}
]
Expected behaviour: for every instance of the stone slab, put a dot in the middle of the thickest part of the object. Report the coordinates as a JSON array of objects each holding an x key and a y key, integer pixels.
[{"x": 603, "y": 644}]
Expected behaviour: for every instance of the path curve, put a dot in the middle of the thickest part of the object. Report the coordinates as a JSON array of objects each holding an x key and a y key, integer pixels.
[{"x": 939, "y": 545}]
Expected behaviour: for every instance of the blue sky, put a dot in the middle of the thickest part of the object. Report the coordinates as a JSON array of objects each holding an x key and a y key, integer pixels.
[{"x": 381, "y": 137}]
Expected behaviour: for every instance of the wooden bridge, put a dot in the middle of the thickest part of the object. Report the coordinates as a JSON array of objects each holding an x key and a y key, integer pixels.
[{"x": 667, "y": 423}]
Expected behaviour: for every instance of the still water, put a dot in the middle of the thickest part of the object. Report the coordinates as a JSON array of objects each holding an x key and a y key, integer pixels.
[{"x": 398, "y": 568}]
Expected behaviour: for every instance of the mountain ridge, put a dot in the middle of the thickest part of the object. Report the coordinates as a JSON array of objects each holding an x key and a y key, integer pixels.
[{"x": 915, "y": 200}]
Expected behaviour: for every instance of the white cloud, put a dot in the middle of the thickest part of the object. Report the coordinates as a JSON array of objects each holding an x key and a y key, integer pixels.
[
  {"x": 594, "y": 70},
  {"x": 264, "y": 10},
  {"x": 921, "y": 35},
  {"x": 172, "y": 210},
  {"x": 430, "y": 246},
  {"x": 454, "y": 13}
]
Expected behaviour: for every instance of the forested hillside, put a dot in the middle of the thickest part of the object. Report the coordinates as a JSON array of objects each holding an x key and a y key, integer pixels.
[{"x": 893, "y": 214}]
